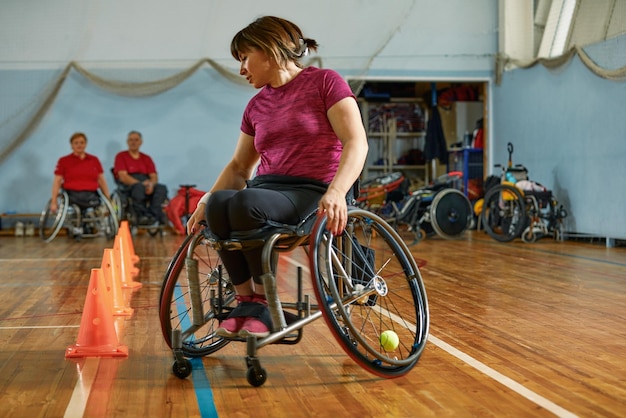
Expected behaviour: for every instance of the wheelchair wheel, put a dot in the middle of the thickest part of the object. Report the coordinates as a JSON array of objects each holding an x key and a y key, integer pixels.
[
  {"x": 118, "y": 205},
  {"x": 366, "y": 282},
  {"x": 195, "y": 291},
  {"x": 73, "y": 222},
  {"x": 50, "y": 223},
  {"x": 450, "y": 213},
  {"x": 110, "y": 221},
  {"x": 504, "y": 213}
]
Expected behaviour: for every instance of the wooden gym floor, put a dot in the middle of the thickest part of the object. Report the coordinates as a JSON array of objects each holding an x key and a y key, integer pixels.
[{"x": 520, "y": 330}]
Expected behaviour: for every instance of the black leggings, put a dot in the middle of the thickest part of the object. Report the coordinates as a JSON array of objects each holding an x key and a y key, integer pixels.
[
  {"x": 85, "y": 199},
  {"x": 148, "y": 205},
  {"x": 249, "y": 209}
]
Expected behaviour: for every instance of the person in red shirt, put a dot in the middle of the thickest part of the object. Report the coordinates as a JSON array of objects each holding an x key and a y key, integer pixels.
[
  {"x": 80, "y": 175},
  {"x": 138, "y": 178}
]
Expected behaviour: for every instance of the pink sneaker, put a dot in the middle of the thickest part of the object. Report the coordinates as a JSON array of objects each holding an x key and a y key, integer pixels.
[
  {"x": 254, "y": 327},
  {"x": 230, "y": 327}
]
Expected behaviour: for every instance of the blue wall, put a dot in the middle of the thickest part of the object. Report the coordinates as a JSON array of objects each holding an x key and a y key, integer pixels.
[
  {"x": 566, "y": 125},
  {"x": 568, "y": 128},
  {"x": 189, "y": 131}
]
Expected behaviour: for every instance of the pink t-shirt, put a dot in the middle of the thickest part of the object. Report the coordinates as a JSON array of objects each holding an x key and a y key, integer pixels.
[{"x": 290, "y": 125}]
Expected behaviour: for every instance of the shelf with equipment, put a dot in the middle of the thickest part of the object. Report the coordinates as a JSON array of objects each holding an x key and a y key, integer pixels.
[{"x": 396, "y": 135}]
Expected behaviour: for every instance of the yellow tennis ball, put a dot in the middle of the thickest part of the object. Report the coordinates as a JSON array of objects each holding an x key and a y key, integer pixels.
[{"x": 389, "y": 340}]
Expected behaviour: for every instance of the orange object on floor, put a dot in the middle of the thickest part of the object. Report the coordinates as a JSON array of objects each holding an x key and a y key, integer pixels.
[
  {"x": 127, "y": 270},
  {"x": 124, "y": 231},
  {"x": 97, "y": 336},
  {"x": 113, "y": 281}
]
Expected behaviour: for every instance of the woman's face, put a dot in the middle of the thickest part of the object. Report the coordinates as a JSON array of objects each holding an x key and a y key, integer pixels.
[
  {"x": 78, "y": 145},
  {"x": 256, "y": 67}
]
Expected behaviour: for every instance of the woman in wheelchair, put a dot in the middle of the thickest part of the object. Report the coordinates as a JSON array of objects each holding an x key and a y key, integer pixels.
[
  {"x": 304, "y": 134},
  {"x": 80, "y": 174}
]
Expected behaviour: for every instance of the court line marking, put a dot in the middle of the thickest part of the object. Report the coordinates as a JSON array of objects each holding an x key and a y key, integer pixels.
[
  {"x": 478, "y": 365},
  {"x": 483, "y": 368},
  {"x": 21, "y": 260},
  {"x": 201, "y": 383},
  {"x": 502, "y": 379},
  {"x": 86, "y": 376},
  {"x": 41, "y": 327}
]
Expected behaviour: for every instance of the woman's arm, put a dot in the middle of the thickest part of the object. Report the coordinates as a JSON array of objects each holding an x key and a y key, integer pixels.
[
  {"x": 345, "y": 118},
  {"x": 234, "y": 175}
]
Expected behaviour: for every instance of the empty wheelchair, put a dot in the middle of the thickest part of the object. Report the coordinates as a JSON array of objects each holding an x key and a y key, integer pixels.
[
  {"x": 94, "y": 221},
  {"x": 435, "y": 209},
  {"x": 519, "y": 208},
  {"x": 365, "y": 281},
  {"x": 511, "y": 212}
]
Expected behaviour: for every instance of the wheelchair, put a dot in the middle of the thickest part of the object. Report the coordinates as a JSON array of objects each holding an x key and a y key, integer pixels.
[
  {"x": 122, "y": 203},
  {"x": 435, "y": 209},
  {"x": 509, "y": 211},
  {"x": 85, "y": 223},
  {"x": 365, "y": 281}
]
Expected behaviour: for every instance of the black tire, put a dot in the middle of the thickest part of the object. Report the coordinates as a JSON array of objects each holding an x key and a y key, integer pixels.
[
  {"x": 182, "y": 368},
  {"x": 175, "y": 306},
  {"x": 450, "y": 213},
  {"x": 366, "y": 281},
  {"x": 110, "y": 221},
  {"x": 50, "y": 223},
  {"x": 255, "y": 378},
  {"x": 118, "y": 205},
  {"x": 504, "y": 213}
]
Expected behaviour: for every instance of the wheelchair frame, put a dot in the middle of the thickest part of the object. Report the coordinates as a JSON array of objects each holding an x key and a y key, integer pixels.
[
  {"x": 437, "y": 208},
  {"x": 365, "y": 281},
  {"x": 70, "y": 216},
  {"x": 122, "y": 203},
  {"x": 509, "y": 212}
]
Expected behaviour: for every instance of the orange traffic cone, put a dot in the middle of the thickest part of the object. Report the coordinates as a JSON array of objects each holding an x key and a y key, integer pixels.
[
  {"x": 111, "y": 273},
  {"x": 124, "y": 231},
  {"x": 128, "y": 271},
  {"x": 96, "y": 336}
]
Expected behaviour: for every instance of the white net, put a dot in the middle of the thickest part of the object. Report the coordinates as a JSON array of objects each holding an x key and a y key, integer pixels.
[{"x": 596, "y": 34}]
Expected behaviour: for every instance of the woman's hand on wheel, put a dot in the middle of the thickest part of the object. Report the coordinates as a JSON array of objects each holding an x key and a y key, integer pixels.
[
  {"x": 333, "y": 204},
  {"x": 193, "y": 223}
]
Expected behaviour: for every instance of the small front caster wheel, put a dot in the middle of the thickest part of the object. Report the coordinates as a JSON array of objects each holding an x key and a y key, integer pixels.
[
  {"x": 256, "y": 378},
  {"x": 529, "y": 236},
  {"x": 182, "y": 368}
]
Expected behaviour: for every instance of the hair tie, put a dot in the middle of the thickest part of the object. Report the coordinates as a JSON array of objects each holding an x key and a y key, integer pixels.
[{"x": 303, "y": 51}]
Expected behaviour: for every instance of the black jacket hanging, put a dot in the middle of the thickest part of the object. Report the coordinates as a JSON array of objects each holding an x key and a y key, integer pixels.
[{"x": 435, "y": 145}]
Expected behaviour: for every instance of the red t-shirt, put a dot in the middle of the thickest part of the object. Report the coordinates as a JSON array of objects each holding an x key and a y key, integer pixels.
[
  {"x": 79, "y": 174},
  {"x": 125, "y": 162},
  {"x": 290, "y": 125}
]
